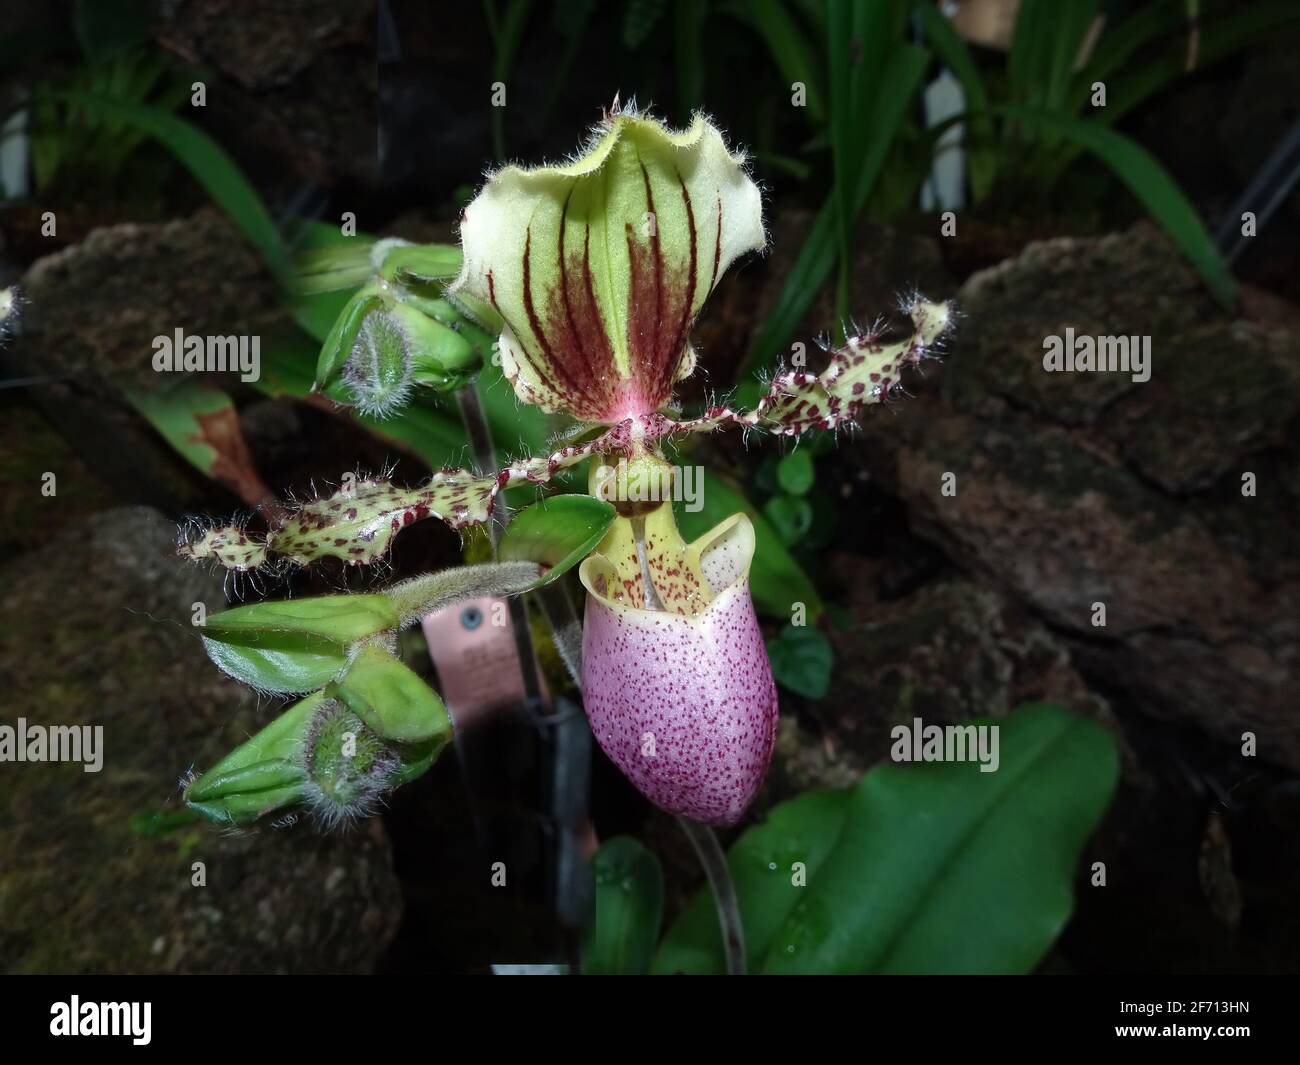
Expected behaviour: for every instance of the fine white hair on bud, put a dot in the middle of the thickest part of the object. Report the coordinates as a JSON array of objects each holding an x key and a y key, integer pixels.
[
  {"x": 10, "y": 304},
  {"x": 349, "y": 767},
  {"x": 378, "y": 370}
]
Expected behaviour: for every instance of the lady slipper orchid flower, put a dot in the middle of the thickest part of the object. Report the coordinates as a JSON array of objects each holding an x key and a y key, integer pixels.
[{"x": 597, "y": 269}]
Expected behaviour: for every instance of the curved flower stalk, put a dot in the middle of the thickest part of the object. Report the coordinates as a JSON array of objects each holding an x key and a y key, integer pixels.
[{"x": 594, "y": 272}]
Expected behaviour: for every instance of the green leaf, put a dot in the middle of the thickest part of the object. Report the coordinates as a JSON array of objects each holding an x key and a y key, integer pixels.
[
  {"x": 775, "y": 578},
  {"x": 339, "y": 619},
  {"x": 801, "y": 660},
  {"x": 639, "y": 20},
  {"x": 431, "y": 592},
  {"x": 795, "y": 472},
  {"x": 930, "y": 868},
  {"x": 262, "y": 774},
  {"x": 315, "y": 307},
  {"x": 816, "y": 259},
  {"x": 558, "y": 532},
  {"x": 342, "y": 338},
  {"x": 333, "y": 266},
  {"x": 201, "y": 423},
  {"x": 629, "y": 906},
  {"x": 107, "y": 30},
  {"x": 392, "y": 699},
  {"x": 208, "y": 162},
  {"x": 791, "y": 517},
  {"x": 289, "y": 368},
  {"x": 1150, "y": 183},
  {"x": 294, "y": 645},
  {"x": 790, "y": 49}
]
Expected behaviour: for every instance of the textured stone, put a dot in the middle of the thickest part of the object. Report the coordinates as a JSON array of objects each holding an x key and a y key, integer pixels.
[
  {"x": 98, "y": 633},
  {"x": 1075, "y": 489}
]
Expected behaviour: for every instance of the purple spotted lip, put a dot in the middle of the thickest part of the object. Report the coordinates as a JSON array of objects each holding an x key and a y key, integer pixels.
[{"x": 683, "y": 703}]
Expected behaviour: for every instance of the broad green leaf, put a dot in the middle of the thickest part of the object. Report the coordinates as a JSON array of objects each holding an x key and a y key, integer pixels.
[
  {"x": 805, "y": 829},
  {"x": 558, "y": 532},
  {"x": 929, "y": 868},
  {"x": 775, "y": 578},
  {"x": 629, "y": 904},
  {"x": 341, "y": 619},
  {"x": 201, "y": 423},
  {"x": 801, "y": 659},
  {"x": 294, "y": 645}
]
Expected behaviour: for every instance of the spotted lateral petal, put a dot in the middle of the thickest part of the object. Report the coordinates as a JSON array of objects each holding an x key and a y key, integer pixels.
[
  {"x": 357, "y": 524},
  {"x": 862, "y": 372},
  {"x": 599, "y": 267}
]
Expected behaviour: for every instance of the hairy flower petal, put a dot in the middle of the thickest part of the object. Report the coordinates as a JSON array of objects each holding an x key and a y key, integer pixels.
[{"x": 598, "y": 267}]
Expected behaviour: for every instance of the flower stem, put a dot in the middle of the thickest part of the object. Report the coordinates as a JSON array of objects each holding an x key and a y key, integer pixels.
[
  {"x": 485, "y": 459},
  {"x": 709, "y": 851}
]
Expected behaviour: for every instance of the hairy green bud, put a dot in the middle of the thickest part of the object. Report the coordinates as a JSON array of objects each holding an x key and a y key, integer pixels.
[
  {"x": 348, "y": 767},
  {"x": 378, "y": 372}
]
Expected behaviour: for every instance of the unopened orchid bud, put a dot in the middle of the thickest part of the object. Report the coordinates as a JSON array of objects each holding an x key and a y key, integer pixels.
[
  {"x": 318, "y": 753},
  {"x": 378, "y": 373},
  {"x": 389, "y": 338},
  {"x": 348, "y": 766}
]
